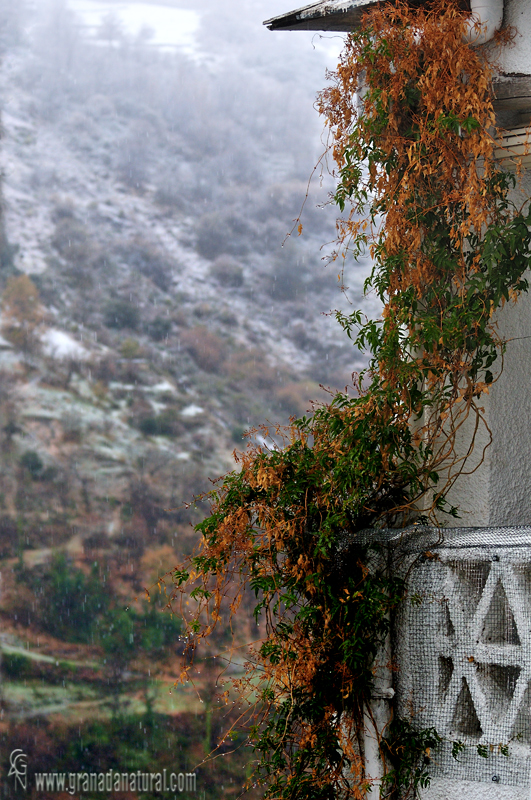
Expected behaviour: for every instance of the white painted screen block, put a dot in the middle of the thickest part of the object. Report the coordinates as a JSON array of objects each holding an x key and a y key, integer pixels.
[
  {"x": 447, "y": 789},
  {"x": 463, "y": 651}
]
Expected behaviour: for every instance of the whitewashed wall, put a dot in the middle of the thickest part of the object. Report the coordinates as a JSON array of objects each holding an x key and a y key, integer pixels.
[
  {"x": 499, "y": 492},
  {"x": 515, "y": 58}
]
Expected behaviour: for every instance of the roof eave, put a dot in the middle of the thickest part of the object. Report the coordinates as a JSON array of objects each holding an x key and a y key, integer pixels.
[{"x": 326, "y": 15}]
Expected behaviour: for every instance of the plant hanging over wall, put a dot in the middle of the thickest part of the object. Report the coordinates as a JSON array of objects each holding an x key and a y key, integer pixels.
[{"x": 419, "y": 188}]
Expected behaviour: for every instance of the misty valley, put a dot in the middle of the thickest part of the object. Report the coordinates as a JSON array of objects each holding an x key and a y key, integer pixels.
[{"x": 153, "y": 310}]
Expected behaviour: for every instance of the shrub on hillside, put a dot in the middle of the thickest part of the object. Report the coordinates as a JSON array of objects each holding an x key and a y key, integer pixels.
[
  {"x": 72, "y": 425},
  {"x": 167, "y": 423},
  {"x": 77, "y": 607},
  {"x": 150, "y": 261},
  {"x": 34, "y": 465},
  {"x": 159, "y": 328},
  {"x": 72, "y": 239},
  {"x": 104, "y": 371},
  {"x": 295, "y": 398},
  {"x": 70, "y": 600},
  {"x": 130, "y": 348},
  {"x": 221, "y": 233},
  {"x": 121, "y": 314},
  {"x": 9, "y": 537},
  {"x": 21, "y": 312},
  {"x": 293, "y": 273},
  {"x": 169, "y": 194},
  {"x": 285, "y": 284},
  {"x": 207, "y": 349},
  {"x": 250, "y": 368},
  {"x": 63, "y": 208},
  {"x": 227, "y": 271},
  {"x": 134, "y": 154}
]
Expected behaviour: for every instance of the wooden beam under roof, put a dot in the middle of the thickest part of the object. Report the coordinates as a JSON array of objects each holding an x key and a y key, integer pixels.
[{"x": 512, "y": 100}]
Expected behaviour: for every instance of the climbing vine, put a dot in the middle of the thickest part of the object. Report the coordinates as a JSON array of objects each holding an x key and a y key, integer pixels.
[{"x": 420, "y": 190}]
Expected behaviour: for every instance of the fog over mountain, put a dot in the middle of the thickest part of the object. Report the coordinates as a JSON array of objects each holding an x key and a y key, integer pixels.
[{"x": 155, "y": 157}]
